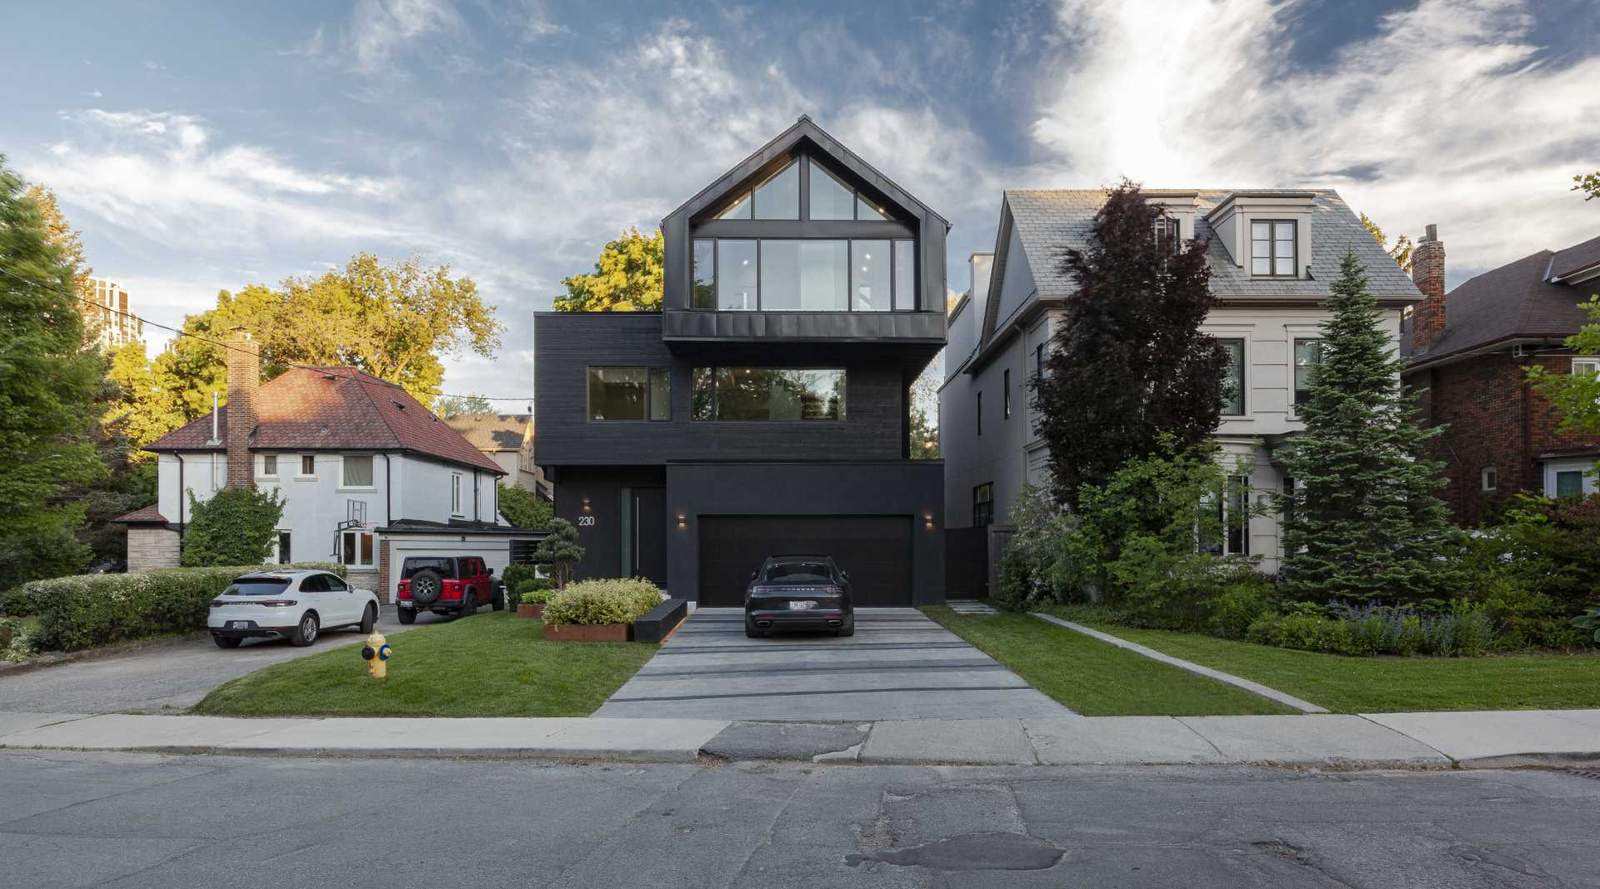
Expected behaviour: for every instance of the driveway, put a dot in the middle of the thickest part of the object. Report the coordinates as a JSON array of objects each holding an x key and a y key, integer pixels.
[
  {"x": 898, "y": 665},
  {"x": 163, "y": 676}
]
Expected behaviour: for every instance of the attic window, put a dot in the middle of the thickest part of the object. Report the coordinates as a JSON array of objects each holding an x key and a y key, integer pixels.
[
  {"x": 1272, "y": 247},
  {"x": 776, "y": 197}
]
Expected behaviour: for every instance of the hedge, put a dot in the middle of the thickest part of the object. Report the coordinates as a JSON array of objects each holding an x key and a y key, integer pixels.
[
  {"x": 615, "y": 601},
  {"x": 95, "y": 609}
]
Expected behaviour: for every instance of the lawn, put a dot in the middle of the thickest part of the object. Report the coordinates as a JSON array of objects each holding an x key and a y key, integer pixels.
[
  {"x": 485, "y": 665},
  {"x": 1390, "y": 684},
  {"x": 1093, "y": 678}
]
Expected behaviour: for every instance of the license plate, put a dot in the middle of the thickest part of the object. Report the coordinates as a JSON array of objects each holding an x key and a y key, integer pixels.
[
  {"x": 239, "y": 624},
  {"x": 801, "y": 604}
]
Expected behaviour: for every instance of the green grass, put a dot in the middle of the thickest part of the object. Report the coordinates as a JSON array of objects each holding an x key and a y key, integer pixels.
[
  {"x": 1094, "y": 678},
  {"x": 486, "y": 665},
  {"x": 1390, "y": 684}
]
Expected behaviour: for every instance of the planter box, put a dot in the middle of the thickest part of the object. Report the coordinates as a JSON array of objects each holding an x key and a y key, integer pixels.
[
  {"x": 586, "y": 632},
  {"x": 531, "y": 611}
]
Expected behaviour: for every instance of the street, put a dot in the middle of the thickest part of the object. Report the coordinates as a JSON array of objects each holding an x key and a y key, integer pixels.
[{"x": 124, "y": 820}]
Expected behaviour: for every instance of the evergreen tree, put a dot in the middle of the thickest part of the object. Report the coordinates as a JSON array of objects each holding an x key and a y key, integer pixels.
[
  {"x": 1362, "y": 521},
  {"x": 1128, "y": 362},
  {"x": 48, "y": 385},
  {"x": 560, "y": 550}
]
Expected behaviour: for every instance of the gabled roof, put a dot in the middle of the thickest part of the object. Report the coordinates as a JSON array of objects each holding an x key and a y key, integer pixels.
[
  {"x": 1577, "y": 258},
  {"x": 334, "y": 408},
  {"x": 1514, "y": 301},
  {"x": 149, "y": 515},
  {"x": 818, "y": 141},
  {"x": 492, "y": 432}
]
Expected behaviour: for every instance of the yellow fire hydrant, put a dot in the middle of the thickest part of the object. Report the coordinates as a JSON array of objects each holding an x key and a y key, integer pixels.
[{"x": 376, "y": 654}]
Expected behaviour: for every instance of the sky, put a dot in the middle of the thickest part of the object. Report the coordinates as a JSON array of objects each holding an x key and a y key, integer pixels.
[{"x": 202, "y": 146}]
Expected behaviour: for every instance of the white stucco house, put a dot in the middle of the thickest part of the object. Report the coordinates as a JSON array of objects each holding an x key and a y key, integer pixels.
[
  {"x": 367, "y": 473},
  {"x": 1272, "y": 256}
]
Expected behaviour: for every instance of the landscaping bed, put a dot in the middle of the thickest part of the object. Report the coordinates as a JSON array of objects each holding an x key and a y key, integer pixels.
[
  {"x": 484, "y": 665},
  {"x": 1391, "y": 684},
  {"x": 1093, "y": 678}
]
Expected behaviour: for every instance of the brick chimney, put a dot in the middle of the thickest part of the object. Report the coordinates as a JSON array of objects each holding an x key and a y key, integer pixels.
[
  {"x": 1427, "y": 272},
  {"x": 244, "y": 378}
]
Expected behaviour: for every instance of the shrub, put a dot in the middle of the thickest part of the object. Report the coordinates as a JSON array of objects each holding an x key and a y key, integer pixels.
[
  {"x": 523, "y": 508},
  {"x": 534, "y": 584},
  {"x": 1589, "y": 620},
  {"x": 234, "y": 527},
  {"x": 514, "y": 575},
  {"x": 16, "y": 642},
  {"x": 95, "y": 609},
  {"x": 1242, "y": 603},
  {"x": 560, "y": 550},
  {"x": 615, "y": 601},
  {"x": 536, "y": 595}
]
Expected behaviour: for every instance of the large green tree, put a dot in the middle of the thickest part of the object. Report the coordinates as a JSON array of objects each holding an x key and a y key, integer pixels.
[
  {"x": 48, "y": 384},
  {"x": 447, "y": 406},
  {"x": 1588, "y": 183},
  {"x": 626, "y": 278},
  {"x": 523, "y": 508},
  {"x": 1128, "y": 364},
  {"x": 1363, "y": 520},
  {"x": 1400, "y": 252}
]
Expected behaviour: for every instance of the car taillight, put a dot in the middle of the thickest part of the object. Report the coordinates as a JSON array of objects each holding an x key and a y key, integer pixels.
[
  {"x": 217, "y": 603},
  {"x": 276, "y": 603}
]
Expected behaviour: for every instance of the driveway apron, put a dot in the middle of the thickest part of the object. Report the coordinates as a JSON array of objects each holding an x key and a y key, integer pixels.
[{"x": 898, "y": 665}]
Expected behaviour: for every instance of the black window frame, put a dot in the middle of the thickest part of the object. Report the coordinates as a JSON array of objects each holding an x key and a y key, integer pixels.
[
  {"x": 980, "y": 413},
  {"x": 1295, "y": 401},
  {"x": 983, "y": 505},
  {"x": 1243, "y": 366},
  {"x": 1005, "y": 395},
  {"x": 699, "y": 373},
  {"x": 652, "y": 373},
  {"x": 1038, "y": 360},
  {"x": 707, "y": 288},
  {"x": 1272, "y": 248}
]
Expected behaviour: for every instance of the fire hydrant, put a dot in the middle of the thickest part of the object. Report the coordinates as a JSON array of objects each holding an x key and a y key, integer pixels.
[{"x": 376, "y": 654}]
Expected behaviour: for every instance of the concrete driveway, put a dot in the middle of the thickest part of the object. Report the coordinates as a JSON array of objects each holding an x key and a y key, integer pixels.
[
  {"x": 163, "y": 676},
  {"x": 898, "y": 665}
]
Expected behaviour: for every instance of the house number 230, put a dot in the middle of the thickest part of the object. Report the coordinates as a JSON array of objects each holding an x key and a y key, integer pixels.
[{"x": 585, "y": 521}]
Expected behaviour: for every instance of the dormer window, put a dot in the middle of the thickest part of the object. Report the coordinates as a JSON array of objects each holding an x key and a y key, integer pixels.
[
  {"x": 1273, "y": 248},
  {"x": 1167, "y": 231}
]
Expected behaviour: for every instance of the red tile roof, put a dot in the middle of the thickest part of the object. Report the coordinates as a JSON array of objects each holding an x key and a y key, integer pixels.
[
  {"x": 149, "y": 515},
  {"x": 335, "y": 408}
]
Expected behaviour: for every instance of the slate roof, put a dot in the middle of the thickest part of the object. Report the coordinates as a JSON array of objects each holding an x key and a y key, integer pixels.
[
  {"x": 335, "y": 408},
  {"x": 1049, "y": 221},
  {"x": 491, "y": 432},
  {"x": 1575, "y": 258},
  {"x": 1514, "y": 301}
]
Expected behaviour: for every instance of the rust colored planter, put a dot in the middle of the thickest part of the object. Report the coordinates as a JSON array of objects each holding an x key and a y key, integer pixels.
[
  {"x": 531, "y": 611},
  {"x": 586, "y": 632}
]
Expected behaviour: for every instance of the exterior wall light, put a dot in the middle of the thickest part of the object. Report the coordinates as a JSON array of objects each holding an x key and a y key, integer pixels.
[
  {"x": 927, "y": 520},
  {"x": 683, "y": 521},
  {"x": 586, "y": 507}
]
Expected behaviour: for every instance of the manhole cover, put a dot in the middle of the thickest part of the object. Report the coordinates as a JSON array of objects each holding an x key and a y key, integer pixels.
[{"x": 972, "y": 851}]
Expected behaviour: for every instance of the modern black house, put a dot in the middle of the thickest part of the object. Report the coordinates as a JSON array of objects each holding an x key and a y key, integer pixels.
[{"x": 766, "y": 408}]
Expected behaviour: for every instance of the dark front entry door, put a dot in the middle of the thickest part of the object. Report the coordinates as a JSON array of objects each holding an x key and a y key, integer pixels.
[
  {"x": 874, "y": 550},
  {"x": 649, "y": 534}
]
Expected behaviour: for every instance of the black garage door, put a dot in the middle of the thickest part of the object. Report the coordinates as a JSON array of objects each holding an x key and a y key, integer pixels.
[{"x": 875, "y": 550}]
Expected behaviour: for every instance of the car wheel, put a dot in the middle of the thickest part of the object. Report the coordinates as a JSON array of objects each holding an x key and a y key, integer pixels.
[
  {"x": 469, "y": 602},
  {"x": 306, "y": 631},
  {"x": 426, "y": 585},
  {"x": 227, "y": 641},
  {"x": 845, "y": 631},
  {"x": 407, "y": 616},
  {"x": 753, "y": 633},
  {"x": 369, "y": 618}
]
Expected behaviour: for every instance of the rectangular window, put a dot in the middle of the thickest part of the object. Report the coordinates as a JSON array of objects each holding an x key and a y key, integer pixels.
[
  {"x": 1272, "y": 247},
  {"x": 1236, "y": 516},
  {"x": 1038, "y": 360},
  {"x": 808, "y": 276},
  {"x": 283, "y": 555},
  {"x": 1167, "y": 234},
  {"x": 980, "y": 414},
  {"x": 1233, "y": 379},
  {"x": 357, "y": 471},
  {"x": 983, "y": 505},
  {"x": 1585, "y": 366},
  {"x": 1307, "y": 356},
  {"x": 705, "y": 274},
  {"x": 629, "y": 393},
  {"x": 1488, "y": 479},
  {"x": 869, "y": 276},
  {"x": 905, "y": 276},
  {"x": 308, "y": 465},
  {"x": 768, "y": 393},
  {"x": 736, "y": 276},
  {"x": 1569, "y": 483},
  {"x": 355, "y": 548},
  {"x": 455, "y": 494},
  {"x": 269, "y": 465},
  {"x": 1005, "y": 395}
]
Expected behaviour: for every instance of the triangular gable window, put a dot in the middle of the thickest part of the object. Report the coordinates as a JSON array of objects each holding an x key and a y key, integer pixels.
[
  {"x": 830, "y": 198},
  {"x": 868, "y": 211}
]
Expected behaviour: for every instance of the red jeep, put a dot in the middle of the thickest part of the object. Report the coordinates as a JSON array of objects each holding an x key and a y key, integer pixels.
[{"x": 444, "y": 585}]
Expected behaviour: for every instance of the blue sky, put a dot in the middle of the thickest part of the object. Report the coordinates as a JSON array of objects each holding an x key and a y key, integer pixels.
[{"x": 204, "y": 146}]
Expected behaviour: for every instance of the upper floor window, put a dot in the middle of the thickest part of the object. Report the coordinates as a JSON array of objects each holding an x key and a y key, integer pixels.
[
  {"x": 269, "y": 465},
  {"x": 809, "y": 275},
  {"x": 1586, "y": 366},
  {"x": 1167, "y": 231},
  {"x": 1233, "y": 379},
  {"x": 1038, "y": 360},
  {"x": 983, "y": 505},
  {"x": 455, "y": 493},
  {"x": 1307, "y": 357},
  {"x": 355, "y": 471},
  {"x": 1005, "y": 397},
  {"x": 775, "y": 197},
  {"x": 979, "y": 413},
  {"x": 768, "y": 393},
  {"x": 308, "y": 465},
  {"x": 629, "y": 393},
  {"x": 1272, "y": 247}
]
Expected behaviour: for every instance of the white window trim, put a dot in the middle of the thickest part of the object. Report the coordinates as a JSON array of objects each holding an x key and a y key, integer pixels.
[
  {"x": 1586, "y": 465},
  {"x": 1294, "y": 332},
  {"x": 344, "y": 486},
  {"x": 357, "y": 531},
  {"x": 1488, "y": 479},
  {"x": 262, "y": 471},
  {"x": 299, "y": 461},
  {"x": 1585, "y": 364},
  {"x": 457, "y": 500}
]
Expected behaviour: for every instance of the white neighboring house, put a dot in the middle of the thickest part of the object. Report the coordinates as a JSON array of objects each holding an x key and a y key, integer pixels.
[
  {"x": 366, "y": 472},
  {"x": 507, "y": 439},
  {"x": 1272, "y": 256}
]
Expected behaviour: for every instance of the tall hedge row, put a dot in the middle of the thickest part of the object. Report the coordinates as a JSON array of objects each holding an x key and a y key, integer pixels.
[{"x": 94, "y": 609}]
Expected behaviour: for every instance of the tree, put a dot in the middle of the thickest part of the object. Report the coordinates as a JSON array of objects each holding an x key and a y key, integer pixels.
[
  {"x": 1128, "y": 362},
  {"x": 1400, "y": 252},
  {"x": 1576, "y": 396},
  {"x": 560, "y": 550},
  {"x": 523, "y": 508},
  {"x": 1363, "y": 520},
  {"x": 627, "y": 278},
  {"x": 447, "y": 406},
  {"x": 48, "y": 383},
  {"x": 234, "y": 527},
  {"x": 61, "y": 235},
  {"x": 1588, "y": 183},
  {"x": 924, "y": 397},
  {"x": 138, "y": 408}
]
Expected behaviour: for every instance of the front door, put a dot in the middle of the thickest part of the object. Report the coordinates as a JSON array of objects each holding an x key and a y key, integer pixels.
[{"x": 649, "y": 531}]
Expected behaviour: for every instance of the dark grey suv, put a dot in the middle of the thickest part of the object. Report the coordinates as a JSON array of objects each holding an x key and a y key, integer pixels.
[{"x": 804, "y": 592}]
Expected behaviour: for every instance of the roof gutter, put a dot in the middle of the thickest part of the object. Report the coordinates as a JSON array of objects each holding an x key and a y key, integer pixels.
[{"x": 1501, "y": 344}]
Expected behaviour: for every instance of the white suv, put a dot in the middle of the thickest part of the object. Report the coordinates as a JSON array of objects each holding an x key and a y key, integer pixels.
[{"x": 297, "y": 605}]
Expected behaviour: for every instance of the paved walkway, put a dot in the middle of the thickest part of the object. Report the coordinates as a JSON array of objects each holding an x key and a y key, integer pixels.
[{"x": 898, "y": 665}]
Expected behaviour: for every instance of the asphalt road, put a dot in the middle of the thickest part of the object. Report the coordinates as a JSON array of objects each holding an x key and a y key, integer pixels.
[
  {"x": 77, "y": 819},
  {"x": 163, "y": 676}
]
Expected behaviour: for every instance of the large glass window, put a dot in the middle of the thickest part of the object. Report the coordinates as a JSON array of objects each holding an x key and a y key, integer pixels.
[
  {"x": 810, "y": 276},
  {"x": 1233, "y": 379},
  {"x": 705, "y": 273},
  {"x": 830, "y": 198},
  {"x": 870, "y": 211},
  {"x": 905, "y": 276},
  {"x": 768, "y": 393},
  {"x": 1307, "y": 356},
  {"x": 983, "y": 505},
  {"x": 1272, "y": 247},
  {"x": 779, "y": 196},
  {"x": 628, "y": 393},
  {"x": 736, "y": 276},
  {"x": 869, "y": 276}
]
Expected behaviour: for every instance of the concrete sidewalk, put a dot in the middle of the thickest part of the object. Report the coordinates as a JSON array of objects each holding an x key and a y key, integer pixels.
[{"x": 1407, "y": 740}]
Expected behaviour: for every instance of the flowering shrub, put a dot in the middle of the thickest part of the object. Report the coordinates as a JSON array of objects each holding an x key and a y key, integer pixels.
[{"x": 613, "y": 601}]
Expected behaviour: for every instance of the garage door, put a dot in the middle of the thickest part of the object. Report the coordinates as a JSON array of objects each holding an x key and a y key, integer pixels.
[{"x": 876, "y": 550}]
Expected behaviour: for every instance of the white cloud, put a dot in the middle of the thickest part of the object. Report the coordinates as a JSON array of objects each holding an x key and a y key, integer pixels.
[
  {"x": 1446, "y": 115},
  {"x": 379, "y": 28}
]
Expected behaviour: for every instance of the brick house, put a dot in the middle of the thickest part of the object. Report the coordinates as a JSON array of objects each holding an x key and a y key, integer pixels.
[{"x": 1468, "y": 353}]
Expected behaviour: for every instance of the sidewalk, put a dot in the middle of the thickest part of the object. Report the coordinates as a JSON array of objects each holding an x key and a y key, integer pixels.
[{"x": 1404, "y": 740}]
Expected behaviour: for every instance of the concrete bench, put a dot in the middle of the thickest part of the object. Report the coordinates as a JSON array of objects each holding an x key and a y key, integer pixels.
[{"x": 660, "y": 620}]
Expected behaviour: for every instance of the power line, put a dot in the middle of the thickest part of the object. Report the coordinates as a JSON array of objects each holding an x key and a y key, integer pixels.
[{"x": 222, "y": 345}]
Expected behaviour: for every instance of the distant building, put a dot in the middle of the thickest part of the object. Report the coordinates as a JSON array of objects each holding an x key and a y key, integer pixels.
[
  {"x": 507, "y": 439},
  {"x": 107, "y": 321}
]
